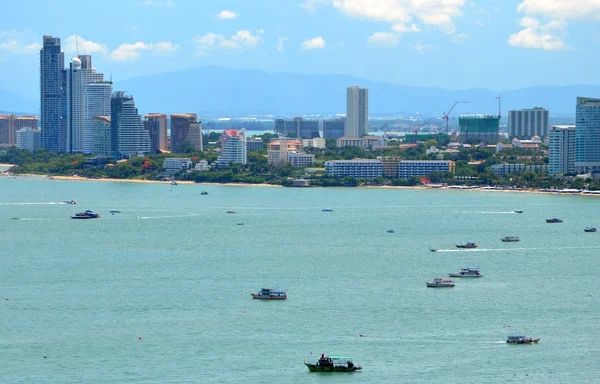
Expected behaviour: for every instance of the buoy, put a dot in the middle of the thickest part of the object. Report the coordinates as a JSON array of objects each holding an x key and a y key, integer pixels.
[
  {"x": 44, "y": 356},
  {"x": 140, "y": 338},
  {"x": 361, "y": 335}
]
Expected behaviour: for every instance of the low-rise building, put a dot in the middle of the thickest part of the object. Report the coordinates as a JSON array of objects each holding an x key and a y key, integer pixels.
[
  {"x": 364, "y": 142},
  {"x": 412, "y": 168},
  {"x": 29, "y": 139},
  {"x": 390, "y": 166},
  {"x": 301, "y": 159},
  {"x": 278, "y": 151},
  {"x": 177, "y": 163},
  {"x": 254, "y": 144},
  {"x": 359, "y": 168},
  {"x": 314, "y": 143},
  {"x": 202, "y": 166},
  {"x": 334, "y": 129},
  {"x": 503, "y": 169}
]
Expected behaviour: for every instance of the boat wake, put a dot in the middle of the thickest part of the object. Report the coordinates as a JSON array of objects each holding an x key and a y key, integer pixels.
[
  {"x": 163, "y": 217},
  {"x": 40, "y": 203},
  {"x": 488, "y": 212},
  {"x": 515, "y": 249}
]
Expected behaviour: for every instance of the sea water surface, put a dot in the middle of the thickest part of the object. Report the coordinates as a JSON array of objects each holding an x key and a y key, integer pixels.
[{"x": 160, "y": 293}]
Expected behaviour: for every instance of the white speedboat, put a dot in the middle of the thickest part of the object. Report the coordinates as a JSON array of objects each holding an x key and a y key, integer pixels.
[
  {"x": 467, "y": 272},
  {"x": 510, "y": 239}
]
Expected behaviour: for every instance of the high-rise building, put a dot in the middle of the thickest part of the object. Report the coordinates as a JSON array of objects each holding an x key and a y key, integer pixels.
[
  {"x": 79, "y": 75},
  {"x": 478, "y": 128},
  {"x": 51, "y": 95},
  {"x": 96, "y": 103},
  {"x": 334, "y": 129},
  {"x": 357, "y": 111},
  {"x": 156, "y": 125},
  {"x": 10, "y": 124},
  {"x": 127, "y": 134},
  {"x": 561, "y": 148},
  {"x": 101, "y": 131},
  {"x": 587, "y": 133},
  {"x": 185, "y": 130},
  {"x": 29, "y": 139},
  {"x": 298, "y": 127},
  {"x": 233, "y": 147},
  {"x": 526, "y": 123}
]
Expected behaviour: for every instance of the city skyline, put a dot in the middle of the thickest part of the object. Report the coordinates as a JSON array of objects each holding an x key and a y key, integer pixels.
[{"x": 462, "y": 45}]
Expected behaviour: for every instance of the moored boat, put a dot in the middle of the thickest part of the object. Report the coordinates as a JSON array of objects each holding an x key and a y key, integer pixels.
[
  {"x": 270, "y": 294},
  {"x": 113, "y": 211},
  {"x": 518, "y": 211},
  {"x": 86, "y": 215},
  {"x": 440, "y": 282},
  {"x": 554, "y": 220},
  {"x": 510, "y": 239},
  {"x": 204, "y": 193},
  {"x": 230, "y": 211},
  {"x": 326, "y": 210},
  {"x": 469, "y": 244},
  {"x": 467, "y": 272},
  {"x": 589, "y": 229},
  {"x": 332, "y": 364},
  {"x": 518, "y": 338},
  {"x": 391, "y": 231}
]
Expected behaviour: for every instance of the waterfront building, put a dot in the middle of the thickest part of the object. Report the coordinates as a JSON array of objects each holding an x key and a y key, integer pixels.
[
  {"x": 78, "y": 76},
  {"x": 298, "y": 127},
  {"x": 233, "y": 147},
  {"x": 185, "y": 130},
  {"x": 412, "y": 168},
  {"x": 52, "y": 82},
  {"x": 357, "y": 111},
  {"x": 101, "y": 131},
  {"x": 359, "y": 168},
  {"x": 96, "y": 103},
  {"x": 29, "y": 139},
  {"x": 587, "y": 135},
  {"x": 478, "y": 128},
  {"x": 562, "y": 149},
  {"x": 202, "y": 166},
  {"x": 10, "y": 124},
  {"x": 301, "y": 159},
  {"x": 526, "y": 123},
  {"x": 503, "y": 169},
  {"x": 390, "y": 166},
  {"x": 278, "y": 151},
  {"x": 176, "y": 164},
  {"x": 334, "y": 129},
  {"x": 313, "y": 143},
  {"x": 364, "y": 142},
  {"x": 128, "y": 136},
  {"x": 156, "y": 125},
  {"x": 254, "y": 143}
]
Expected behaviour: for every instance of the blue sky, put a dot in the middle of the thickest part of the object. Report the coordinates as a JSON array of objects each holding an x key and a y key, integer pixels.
[{"x": 452, "y": 44}]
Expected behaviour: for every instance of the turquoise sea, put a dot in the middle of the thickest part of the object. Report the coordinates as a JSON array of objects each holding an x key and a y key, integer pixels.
[{"x": 160, "y": 293}]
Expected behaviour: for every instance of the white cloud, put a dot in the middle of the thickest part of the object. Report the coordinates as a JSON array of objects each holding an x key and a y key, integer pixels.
[
  {"x": 438, "y": 13},
  {"x": 128, "y": 52},
  {"x": 401, "y": 27},
  {"x": 242, "y": 39},
  {"x": 384, "y": 39},
  {"x": 537, "y": 36},
  {"x": 86, "y": 47},
  {"x": 280, "y": 41},
  {"x": 421, "y": 47},
  {"x": 461, "y": 37},
  {"x": 311, "y": 5},
  {"x": 151, "y": 3},
  {"x": 314, "y": 43},
  {"x": 562, "y": 9},
  {"x": 19, "y": 48},
  {"x": 225, "y": 14}
]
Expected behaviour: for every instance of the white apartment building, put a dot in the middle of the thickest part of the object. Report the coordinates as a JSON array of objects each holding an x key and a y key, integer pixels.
[
  {"x": 233, "y": 147},
  {"x": 412, "y": 168},
  {"x": 29, "y": 139},
  {"x": 301, "y": 159},
  {"x": 177, "y": 163},
  {"x": 526, "y": 123},
  {"x": 364, "y": 142},
  {"x": 562, "y": 149},
  {"x": 314, "y": 143},
  {"x": 359, "y": 168},
  {"x": 202, "y": 166},
  {"x": 357, "y": 111},
  {"x": 96, "y": 98}
]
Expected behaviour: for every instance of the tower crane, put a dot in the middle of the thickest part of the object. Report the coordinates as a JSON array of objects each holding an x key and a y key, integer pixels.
[
  {"x": 499, "y": 98},
  {"x": 447, "y": 114}
]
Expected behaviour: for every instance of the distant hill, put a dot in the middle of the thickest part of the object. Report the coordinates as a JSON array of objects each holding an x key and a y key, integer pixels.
[
  {"x": 11, "y": 103},
  {"x": 214, "y": 91}
]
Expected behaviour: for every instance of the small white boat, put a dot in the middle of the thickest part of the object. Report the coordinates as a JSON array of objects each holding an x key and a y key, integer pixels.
[
  {"x": 467, "y": 272},
  {"x": 510, "y": 239},
  {"x": 270, "y": 294},
  {"x": 113, "y": 211},
  {"x": 440, "y": 282}
]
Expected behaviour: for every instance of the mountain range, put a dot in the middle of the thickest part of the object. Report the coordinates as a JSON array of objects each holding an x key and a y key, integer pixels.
[{"x": 212, "y": 91}]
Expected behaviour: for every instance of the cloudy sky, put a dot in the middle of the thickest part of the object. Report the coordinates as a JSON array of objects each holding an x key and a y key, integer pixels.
[{"x": 453, "y": 44}]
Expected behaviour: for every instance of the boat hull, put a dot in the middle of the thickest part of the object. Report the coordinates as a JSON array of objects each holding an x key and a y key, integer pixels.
[
  {"x": 317, "y": 368},
  {"x": 260, "y": 297},
  {"x": 510, "y": 241},
  {"x": 532, "y": 341},
  {"x": 466, "y": 246},
  {"x": 439, "y": 285},
  {"x": 457, "y": 275},
  {"x": 84, "y": 217}
]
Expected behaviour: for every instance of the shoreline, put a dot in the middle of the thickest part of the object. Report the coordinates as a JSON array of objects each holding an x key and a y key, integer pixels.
[{"x": 188, "y": 182}]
